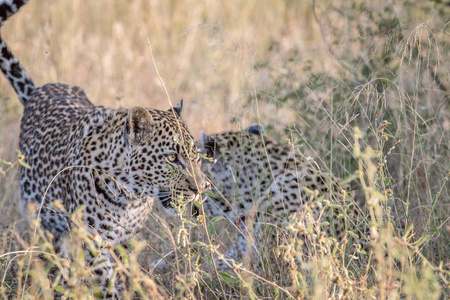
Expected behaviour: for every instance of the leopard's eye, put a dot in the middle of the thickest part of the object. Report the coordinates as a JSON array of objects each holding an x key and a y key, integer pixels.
[{"x": 172, "y": 157}]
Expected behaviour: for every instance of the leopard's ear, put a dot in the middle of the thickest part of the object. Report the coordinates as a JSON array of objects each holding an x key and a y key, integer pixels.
[
  {"x": 177, "y": 109},
  {"x": 139, "y": 125},
  {"x": 256, "y": 129},
  {"x": 208, "y": 145}
]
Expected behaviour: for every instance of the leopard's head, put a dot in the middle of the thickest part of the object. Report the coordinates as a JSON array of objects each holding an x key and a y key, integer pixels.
[
  {"x": 234, "y": 159},
  {"x": 163, "y": 159}
]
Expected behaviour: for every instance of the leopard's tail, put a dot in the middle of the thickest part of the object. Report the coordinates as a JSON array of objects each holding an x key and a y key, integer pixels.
[{"x": 10, "y": 66}]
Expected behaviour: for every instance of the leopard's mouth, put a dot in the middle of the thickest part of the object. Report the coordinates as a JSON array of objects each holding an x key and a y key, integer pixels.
[{"x": 166, "y": 196}]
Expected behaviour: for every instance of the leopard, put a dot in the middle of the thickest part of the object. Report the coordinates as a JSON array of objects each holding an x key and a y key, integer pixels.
[
  {"x": 113, "y": 164},
  {"x": 251, "y": 172}
]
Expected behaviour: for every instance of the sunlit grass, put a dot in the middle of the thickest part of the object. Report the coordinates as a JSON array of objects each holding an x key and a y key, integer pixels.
[{"x": 363, "y": 88}]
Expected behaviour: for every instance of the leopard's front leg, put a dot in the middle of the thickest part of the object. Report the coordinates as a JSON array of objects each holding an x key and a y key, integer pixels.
[{"x": 107, "y": 282}]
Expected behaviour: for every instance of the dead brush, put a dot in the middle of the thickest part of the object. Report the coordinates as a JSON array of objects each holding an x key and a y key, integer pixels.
[
  {"x": 33, "y": 269},
  {"x": 321, "y": 268},
  {"x": 327, "y": 67}
]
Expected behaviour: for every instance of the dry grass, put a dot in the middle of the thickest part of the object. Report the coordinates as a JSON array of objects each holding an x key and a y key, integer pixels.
[{"x": 327, "y": 68}]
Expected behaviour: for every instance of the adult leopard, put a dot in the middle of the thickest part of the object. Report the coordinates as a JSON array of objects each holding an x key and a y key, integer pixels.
[
  {"x": 112, "y": 162},
  {"x": 249, "y": 170}
]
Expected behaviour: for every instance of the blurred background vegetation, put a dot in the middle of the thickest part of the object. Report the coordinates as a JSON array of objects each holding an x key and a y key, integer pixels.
[{"x": 310, "y": 71}]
